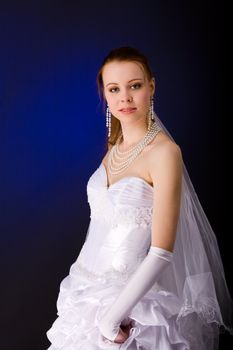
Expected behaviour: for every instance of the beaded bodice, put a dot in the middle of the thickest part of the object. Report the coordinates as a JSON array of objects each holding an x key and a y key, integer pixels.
[{"x": 119, "y": 233}]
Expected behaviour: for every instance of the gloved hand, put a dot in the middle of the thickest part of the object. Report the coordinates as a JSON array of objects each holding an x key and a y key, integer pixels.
[{"x": 138, "y": 285}]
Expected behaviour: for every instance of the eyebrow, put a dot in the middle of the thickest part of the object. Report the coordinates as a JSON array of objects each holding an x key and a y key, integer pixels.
[{"x": 128, "y": 81}]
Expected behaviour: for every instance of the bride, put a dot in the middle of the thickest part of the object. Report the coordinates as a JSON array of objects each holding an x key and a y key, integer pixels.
[{"x": 149, "y": 275}]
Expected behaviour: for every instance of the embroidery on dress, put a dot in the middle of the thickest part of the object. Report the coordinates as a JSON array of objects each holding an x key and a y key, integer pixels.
[
  {"x": 134, "y": 216},
  {"x": 110, "y": 274}
]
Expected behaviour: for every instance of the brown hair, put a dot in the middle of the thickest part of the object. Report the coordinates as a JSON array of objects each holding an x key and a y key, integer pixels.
[{"x": 124, "y": 53}]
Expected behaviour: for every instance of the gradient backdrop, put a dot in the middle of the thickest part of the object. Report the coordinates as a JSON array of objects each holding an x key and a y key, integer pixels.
[{"x": 52, "y": 132}]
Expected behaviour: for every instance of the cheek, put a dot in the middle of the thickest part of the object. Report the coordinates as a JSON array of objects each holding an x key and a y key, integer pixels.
[
  {"x": 110, "y": 95},
  {"x": 144, "y": 97},
  {"x": 109, "y": 98}
]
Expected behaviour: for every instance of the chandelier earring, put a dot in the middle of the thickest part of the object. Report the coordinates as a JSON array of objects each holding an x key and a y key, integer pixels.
[
  {"x": 151, "y": 113},
  {"x": 108, "y": 121}
]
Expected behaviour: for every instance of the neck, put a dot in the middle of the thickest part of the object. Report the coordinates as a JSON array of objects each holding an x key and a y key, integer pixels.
[{"x": 132, "y": 134}]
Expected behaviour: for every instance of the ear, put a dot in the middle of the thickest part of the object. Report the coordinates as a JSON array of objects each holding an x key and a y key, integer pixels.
[{"x": 152, "y": 85}]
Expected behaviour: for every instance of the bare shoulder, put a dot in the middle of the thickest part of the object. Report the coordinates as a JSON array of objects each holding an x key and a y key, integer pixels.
[
  {"x": 164, "y": 146},
  {"x": 164, "y": 155}
]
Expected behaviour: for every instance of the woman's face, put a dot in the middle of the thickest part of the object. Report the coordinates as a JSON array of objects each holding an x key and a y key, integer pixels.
[{"x": 127, "y": 90}]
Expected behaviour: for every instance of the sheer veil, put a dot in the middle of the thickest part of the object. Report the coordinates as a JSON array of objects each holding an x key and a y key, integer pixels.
[
  {"x": 198, "y": 269},
  {"x": 197, "y": 277}
]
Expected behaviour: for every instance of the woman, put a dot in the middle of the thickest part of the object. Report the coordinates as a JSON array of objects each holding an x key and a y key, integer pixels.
[{"x": 149, "y": 275}]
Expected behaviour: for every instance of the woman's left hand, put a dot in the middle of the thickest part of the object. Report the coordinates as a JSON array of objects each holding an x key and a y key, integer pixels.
[{"x": 123, "y": 333}]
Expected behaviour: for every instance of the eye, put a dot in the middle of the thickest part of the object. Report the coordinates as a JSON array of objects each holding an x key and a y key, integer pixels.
[
  {"x": 136, "y": 86},
  {"x": 113, "y": 89}
]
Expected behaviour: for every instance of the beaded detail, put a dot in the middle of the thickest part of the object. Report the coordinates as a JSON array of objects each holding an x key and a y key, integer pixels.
[
  {"x": 110, "y": 274},
  {"x": 134, "y": 216},
  {"x": 128, "y": 216}
]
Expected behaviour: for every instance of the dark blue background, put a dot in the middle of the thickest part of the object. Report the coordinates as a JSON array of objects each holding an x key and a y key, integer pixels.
[{"x": 53, "y": 134}]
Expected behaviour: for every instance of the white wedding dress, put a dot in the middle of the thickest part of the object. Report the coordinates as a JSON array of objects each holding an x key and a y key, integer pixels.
[{"x": 118, "y": 238}]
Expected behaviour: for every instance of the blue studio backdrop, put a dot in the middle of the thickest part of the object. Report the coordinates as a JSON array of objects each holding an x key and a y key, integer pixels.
[{"x": 53, "y": 132}]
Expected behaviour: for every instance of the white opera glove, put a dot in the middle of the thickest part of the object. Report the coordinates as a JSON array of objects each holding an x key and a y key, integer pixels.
[{"x": 138, "y": 285}]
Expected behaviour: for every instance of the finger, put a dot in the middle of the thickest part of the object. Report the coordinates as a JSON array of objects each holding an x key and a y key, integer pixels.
[{"x": 121, "y": 338}]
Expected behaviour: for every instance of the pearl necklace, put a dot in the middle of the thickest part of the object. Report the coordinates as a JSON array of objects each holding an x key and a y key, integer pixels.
[{"x": 118, "y": 161}]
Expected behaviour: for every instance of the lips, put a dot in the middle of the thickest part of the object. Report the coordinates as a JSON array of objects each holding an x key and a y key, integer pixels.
[{"x": 128, "y": 109}]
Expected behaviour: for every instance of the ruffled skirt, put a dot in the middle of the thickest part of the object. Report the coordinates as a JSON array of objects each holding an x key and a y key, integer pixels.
[{"x": 82, "y": 302}]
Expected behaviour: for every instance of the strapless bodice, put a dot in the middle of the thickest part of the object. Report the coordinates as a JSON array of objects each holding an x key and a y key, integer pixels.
[
  {"x": 119, "y": 233},
  {"x": 129, "y": 200}
]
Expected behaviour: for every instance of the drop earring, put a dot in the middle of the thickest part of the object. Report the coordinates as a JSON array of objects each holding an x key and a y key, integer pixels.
[
  {"x": 151, "y": 113},
  {"x": 108, "y": 121},
  {"x": 152, "y": 109}
]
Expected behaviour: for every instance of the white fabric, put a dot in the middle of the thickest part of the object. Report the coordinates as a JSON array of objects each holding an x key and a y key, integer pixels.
[
  {"x": 118, "y": 239},
  {"x": 184, "y": 308},
  {"x": 140, "y": 282}
]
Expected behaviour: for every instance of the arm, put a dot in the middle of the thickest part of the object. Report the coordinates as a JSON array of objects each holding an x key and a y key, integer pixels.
[
  {"x": 140, "y": 282},
  {"x": 166, "y": 167},
  {"x": 165, "y": 170}
]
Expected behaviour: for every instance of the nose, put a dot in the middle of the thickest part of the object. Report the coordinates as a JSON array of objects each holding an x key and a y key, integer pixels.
[{"x": 126, "y": 97}]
